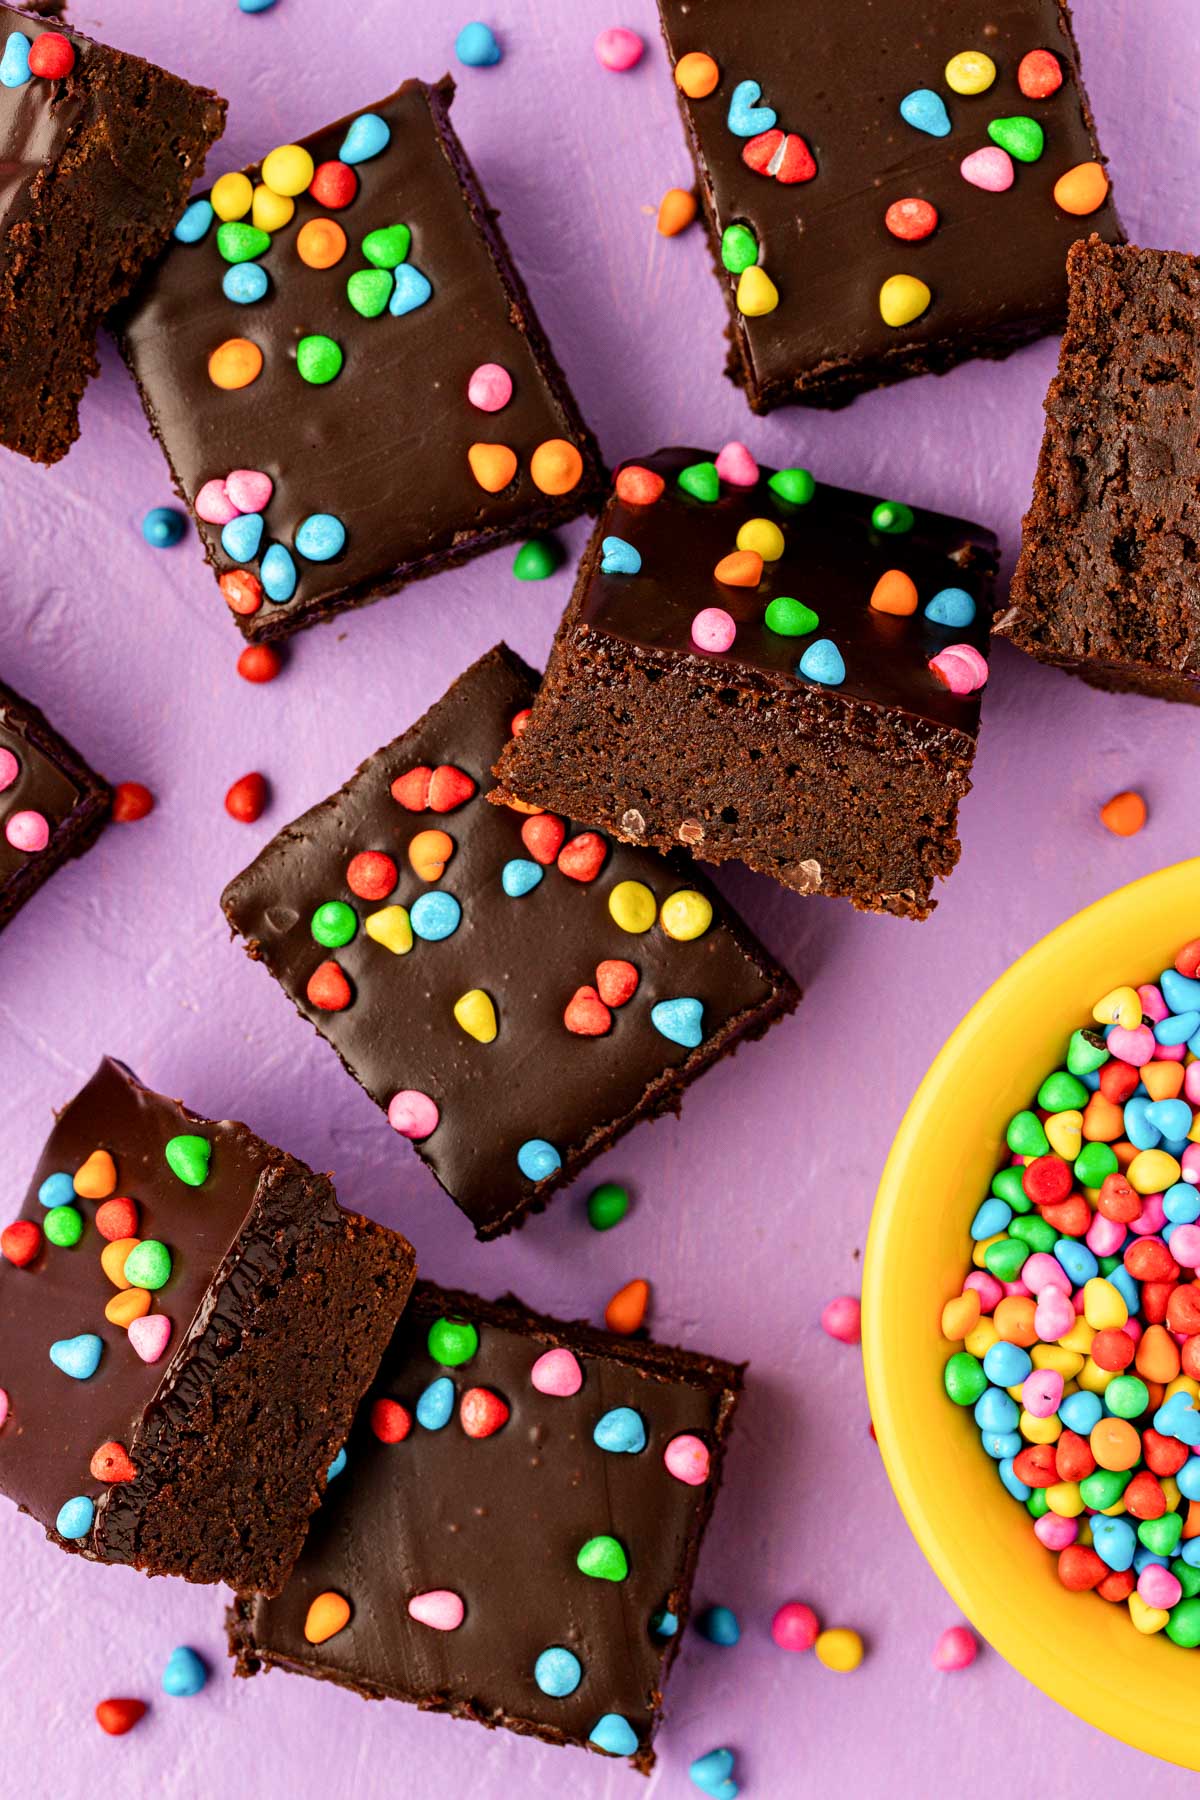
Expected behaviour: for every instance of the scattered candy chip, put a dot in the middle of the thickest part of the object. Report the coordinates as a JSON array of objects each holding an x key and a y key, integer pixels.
[
  {"x": 439, "y": 1608},
  {"x": 328, "y": 1614}
]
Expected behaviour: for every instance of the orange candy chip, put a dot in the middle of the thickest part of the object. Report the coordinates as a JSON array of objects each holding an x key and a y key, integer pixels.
[
  {"x": 627, "y": 1308},
  {"x": 556, "y": 466},
  {"x": 96, "y": 1179},
  {"x": 326, "y": 1616},
  {"x": 130, "y": 1304},
  {"x": 429, "y": 852},
  {"x": 321, "y": 243},
  {"x": 676, "y": 211},
  {"x": 242, "y": 591},
  {"x": 235, "y": 363},
  {"x": 742, "y": 568},
  {"x": 1115, "y": 1444},
  {"x": 492, "y": 465},
  {"x": 1082, "y": 190},
  {"x": 1124, "y": 815},
  {"x": 637, "y": 486},
  {"x": 895, "y": 592},
  {"x": 696, "y": 75},
  {"x": 112, "y": 1260}
]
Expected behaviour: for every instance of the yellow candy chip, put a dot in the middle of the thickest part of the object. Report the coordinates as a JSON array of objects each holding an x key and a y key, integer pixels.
[
  {"x": 1170, "y": 1488},
  {"x": 1065, "y": 1499},
  {"x": 1182, "y": 1384},
  {"x": 1104, "y": 1305},
  {"x": 686, "y": 915},
  {"x": 1153, "y": 1172},
  {"x": 903, "y": 298},
  {"x": 477, "y": 1016},
  {"x": 1066, "y": 1363},
  {"x": 756, "y": 293},
  {"x": 839, "y": 1649},
  {"x": 970, "y": 72},
  {"x": 288, "y": 170},
  {"x": 1194, "y": 1133},
  {"x": 1093, "y": 1379},
  {"x": 390, "y": 927},
  {"x": 1121, "y": 1007},
  {"x": 1079, "y": 1337},
  {"x": 633, "y": 906},
  {"x": 1084, "y": 1534},
  {"x": 764, "y": 536},
  {"x": 1065, "y": 1132},
  {"x": 1146, "y": 1619},
  {"x": 960, "y": 1316},
  {"x": 271, "y": 211},
  {"x": 232, "y": 196},
  {"x": 980, "y": 1341},
  {"x": 1040, "y": 1431}
]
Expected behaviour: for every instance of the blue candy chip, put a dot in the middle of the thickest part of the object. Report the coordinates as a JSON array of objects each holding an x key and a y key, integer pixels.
[
  {"x": 57, "y": 1190},
  {"x": 412, "y": 289},
  {"x": 476, "y": 46},
  {"x": 1188, "y": 1479},
  {"x": 926, "y": 111},
  {"x": 278, "y": 573},
  {"x": 1113, "y": 1541},
  {"x": 745, "y": 117},
  {"x": 822, "y": 662},
  {"x": 75, "y": 1517},
  {"x": 242, "y": 536},
  {"x": 719, "y": 1624},
  {"x": 620, "y": 1431},
  {"x": 664, "y": 1624},
  {"x": 78, "y": 1357},
  {"x": 195, "y": 222},
  {"x": 520, "y": 876},
  {"x": 953, "y": 607},
  {"x": 337, "y": 1465},
  {"x": 1172, "y": 1117},
  {"x": 367, "y": 136},
  {"x": 244, "y": 283},
  {"x": 1011, "y": 1480},
  {"x": 184, "y": 1674},
  {"x": 256, "y": 6},
  {"x": 436, "y": 1404},
  {"x": 618, "y": 557},
  {"x": 537, "y": 1159},
  {"x": 617, "y": 1736},
  {"x": 679, "y": 1020},
  {"x": 435, "y": 916},
  {"x": 1181, "y": 992},
  {"x": 713, "y": 1774},
  {"x": 161, "y": 527},
  {"x": 558, "y": 1672},
  {"x": 1081, "y": 1412},
  {"x": 320, "y": 537},
  {"x": 14, "y": 64}
]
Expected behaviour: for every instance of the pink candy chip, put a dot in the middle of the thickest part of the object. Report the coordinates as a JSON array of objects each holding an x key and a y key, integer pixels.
[
  {"x": 150, "y": 1335},
  {"x": 960, "y": 668},
  {"x": 1189, "y": 1162},
  {"x": 1105, "y": 1236},
  {"x": 736, "y": 466},
  {"x": 441, "y": 1609},
  {"x": 1136, "y": 1047},
  {"x": 1158, "y": 1587},
  {"x": 842, "y": 1319},
  {"x": 557, "y": 1372},
  {"x": 991, "y": 169},
  {"x": 27, "y": 831},
  {"x": 10, "y": 768},
  {"x": 413, "y": 1114},
  {"x": 1185, "y": 1245},
  {"x": 1055, "y": 1315},
  {"x": 955, "y": 1649},
  {"x": 249, "y": 489},
  {"x": 1042, "y": 1392},
  {"x": 213, "y": 504},
  {"x": 795, "y": 1626},
  {"x": 713, "y": 629},
  {"x": 1191, "y": 1083},
  {"x": 619, "y": 48},
  {"x": 687, "y": 1460},
  {"x": 1055, "y": 1532},
  {"x": 3, "y": 1406},
  {"x": 490, "y": 388}
]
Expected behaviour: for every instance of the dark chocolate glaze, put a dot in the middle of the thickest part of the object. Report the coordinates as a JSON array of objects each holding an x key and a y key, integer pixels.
[
  {"x": 536, "y": 1080},
  {"x": 832, "y": 561},
  {"x": 384, "y": 445},
  {"x": 499, "y": 1521},
  {"x": 51, "y": 779},
  {"x": 836, "y": 75}
]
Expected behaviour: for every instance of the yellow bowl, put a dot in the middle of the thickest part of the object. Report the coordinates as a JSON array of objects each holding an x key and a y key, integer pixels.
[{"x": 1083, "y": 1653}]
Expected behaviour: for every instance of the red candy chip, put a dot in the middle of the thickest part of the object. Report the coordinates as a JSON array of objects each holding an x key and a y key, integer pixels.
[
  {"x": 583, "y": 858},
  {"x": 258, "y": 662},
  {"x": 51, "y": 56},
  {"x": 247, "y": 798},
  {"x": 1183, "y": 1310},
  {"x": 1118, "y": 1081},
  {"x": 1080, "y": 1568},
  {"x": 637, "y": 486},
  {"x": 1113, "y": 1350},
  {"x": 1073, "y": 1459},
  {"x": 758, "y": 151},
  {"x": 482, "y": 1413},
  {"x": 131, "y": 801},
  {"x": 328, "y": 989},
  {"x": 20, "y": 1242},
  {"x": 586, "y": 1014},
  {"x": 1035, "y": 1466},
  {"x": 1046, "y": 1180},
  {"x": 333, "y": 184},
  {"x": 796, "y": 163},
  {"x": 1071, "y": 1217},
  {"x": 111, "y": 1463},
  {"x": 117, "y": 1218},
  {"x": 1118, "y": 1201},
  {"x": 542, "y": 835},
  {"x": 119, "y": 1716},
  {"x": 1188, "y": 960},
  {"x": 1144, "y": 1498},
  {"x": 449, "y": 788},
  {"x": 390, "y": 1421},
  {"x": 243, "y": 592},
  {"x": 411, "y": 790},
  {"x": 911, "y": 220},
  {"x": 1156, "y": 1297},
  {"x": 1039, "y": 75},
  {"x": 520, "y": 720},
  {"x": 371, "y": 875},
  {"x": 1149, "y": 1259},
  {"x": 1164, "y": 1455},
  {"x": 1117, "y": 1585},
  {"x": 617, "y": 981}
]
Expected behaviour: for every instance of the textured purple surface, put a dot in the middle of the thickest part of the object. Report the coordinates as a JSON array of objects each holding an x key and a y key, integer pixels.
[{"x": 752, "y": 1210}]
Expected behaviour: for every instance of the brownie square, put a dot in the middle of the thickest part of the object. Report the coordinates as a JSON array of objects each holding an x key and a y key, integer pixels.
[
  {"x": 472, "y": 1006},
  {"x": 187, "y": 1322},
  {"x": 799, "y": 180},
  {"x": 52, "y": 806},
  {"x": 480, "y": 1466},
  {"x": 95, "y": 165},
  {"x": 821, "y": 747},
  {"x": 383, "y": 454},
  {"x": 1106, "y": 584}
]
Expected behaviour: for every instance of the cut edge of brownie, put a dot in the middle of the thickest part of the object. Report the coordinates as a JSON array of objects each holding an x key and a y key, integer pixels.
[
  {"x": 663, "y": 1362},
  {"x": 72, "y": 835}
]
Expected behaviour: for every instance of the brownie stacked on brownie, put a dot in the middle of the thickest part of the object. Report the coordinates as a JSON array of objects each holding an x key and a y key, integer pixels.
[
  {"x": 97, "y": 152},
  {"x": 52, "y": 806}
]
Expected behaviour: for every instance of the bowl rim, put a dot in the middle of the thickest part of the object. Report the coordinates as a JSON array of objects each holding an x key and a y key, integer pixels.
[{"x": 897, "y": 1338}]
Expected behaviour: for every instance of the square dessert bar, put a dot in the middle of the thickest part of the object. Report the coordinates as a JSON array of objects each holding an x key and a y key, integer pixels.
[
  {"x": 187, "y": 1322},
  {"x": 346, "y": 373},
  {"x": 1106, "y": 584},
  {"x": 890, "y": 189},
  {"x": 514, "y": 1538},
  {"x": 515, "y": 994},
  {"x": 52, "y": 806},
  {"x": 754, "y": 665},
  {"x": 97, "y": 152}
]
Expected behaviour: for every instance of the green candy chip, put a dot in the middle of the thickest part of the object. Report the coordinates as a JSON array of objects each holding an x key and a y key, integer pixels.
[
  {"x": 1086, "y": 1052},
  {"x": 537, "y": 559},
  {"x": 603, "y": 1559},
  {"x": 701, "y": 481},
  {"x": 893, "y": 517},
  {"x": 387, "y": 247},
  {"x": 1025, "y": 1135},
  {"x": 1183, "y": 1626},
  {"x": 790, "y": 618},
  {"x": 369, "y": 290},
  {"x": 318, "y": 359},
  {"x": 1021, "y": 136},
  {"x": 334, "y": 924},
  {"x": 796, "y": 486},
  {"x": 452, "y": 1342},
  {"x": 1093, "y": 1163},
  {"x": 739, "y": 248},
  {"x": 188, "y": 1157},
  {"x": 1061, "y": 1092},
  {"x": 1004, "y": 1258},
  {"x": 63, "y": 1226},
  {"x": 964, "y": 1378},
  {"x": 607, "y": 1206},
  {"x": 148, "y": 1264},
  {"x": 239, "y": 243}
]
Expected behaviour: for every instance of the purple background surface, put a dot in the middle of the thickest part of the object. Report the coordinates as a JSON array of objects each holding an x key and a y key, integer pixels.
[{"x": 752, "y": 1210}]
